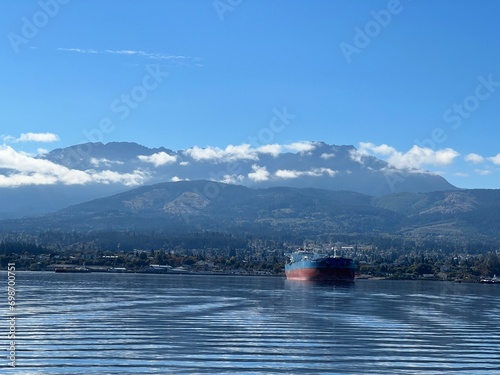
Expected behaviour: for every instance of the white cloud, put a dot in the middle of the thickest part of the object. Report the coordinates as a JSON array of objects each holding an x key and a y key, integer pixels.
[
  {"x": 137, "y": 177},
  {"x": 259, "y": 174},
  {"x": 148, "y": 55},
  {"x": 474, "y": 158},
  {"x": 38, "y": 137},
  {"x": 232, "y": 179},
  {"x": 27, "y": 170},
  {"x": 41, "y": 151},
  {"x": 272, "y": 149},
  {"x": 415, "y": 158},
  {"x": 177, "y": 179},
  {"x": 208, "y": 153},
  {"x": 321, "y": 171},
  {"x": 357, "y": 155},
  {"x": 495, "y": 159},
  {"x": 276, "y": 149},
  {"x": 230, "y": 153},
  {"x": 23, "y": 179},
  {"x": 103, "y": 161},
  {"x": 19, "y": 162},
  {"x": 302, "y": 147},
  {"x": 287, "y": 173},
  {"x": 245, "y": 151},
  {"x": 158, "y": 159},
  {"x": 327, "y": 156},
  {"x": 315, "y": 172},
  {"x": 79, "y": 50},
  {"x": 381, "y": 150}
]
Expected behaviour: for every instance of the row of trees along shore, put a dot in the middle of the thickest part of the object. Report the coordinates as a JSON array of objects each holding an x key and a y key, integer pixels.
[{"x": 219, "y": 252}]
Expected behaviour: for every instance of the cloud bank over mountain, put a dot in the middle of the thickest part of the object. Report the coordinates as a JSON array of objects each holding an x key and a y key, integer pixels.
[
  {"x": 297, "y": 164},
  {"x": 74, "y": 174},
  {"x": 19, "y": 169},
  {"x": 239, "y": 164}
]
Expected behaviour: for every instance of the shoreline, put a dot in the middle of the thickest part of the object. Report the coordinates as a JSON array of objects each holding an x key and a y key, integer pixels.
[{"x": 207, "y": 273}]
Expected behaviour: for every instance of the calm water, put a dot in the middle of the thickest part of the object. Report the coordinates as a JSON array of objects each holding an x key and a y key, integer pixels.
[{"x": 181, "y": 324}]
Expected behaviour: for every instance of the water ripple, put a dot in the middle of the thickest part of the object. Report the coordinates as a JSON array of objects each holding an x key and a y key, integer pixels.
[{"x": 160, "y": 324}]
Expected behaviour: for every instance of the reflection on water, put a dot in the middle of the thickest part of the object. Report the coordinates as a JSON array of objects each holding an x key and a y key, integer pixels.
[{"x": 184, "y": 324}]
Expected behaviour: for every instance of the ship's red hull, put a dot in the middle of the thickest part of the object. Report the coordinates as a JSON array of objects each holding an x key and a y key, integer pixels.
[{"x": 321, "y": 274}]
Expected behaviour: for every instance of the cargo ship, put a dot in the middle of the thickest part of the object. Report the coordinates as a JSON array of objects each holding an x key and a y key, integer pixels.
[{"x": 312, "y": 265}]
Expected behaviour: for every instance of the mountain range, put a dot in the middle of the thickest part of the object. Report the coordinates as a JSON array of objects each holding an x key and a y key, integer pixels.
[
  {"x": 80, "y": 173},
  {"x": 195, "y": 206},
  {"x": 301, "y": 189}
]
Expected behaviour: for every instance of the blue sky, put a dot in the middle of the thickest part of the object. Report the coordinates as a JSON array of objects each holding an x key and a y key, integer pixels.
[{"x": 416, "y": 83}]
